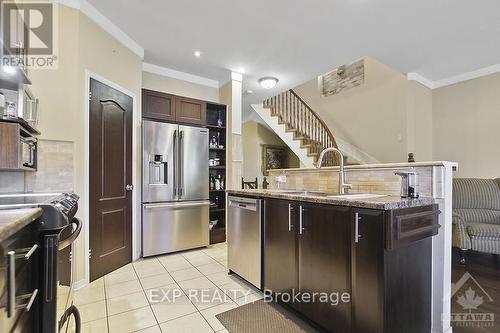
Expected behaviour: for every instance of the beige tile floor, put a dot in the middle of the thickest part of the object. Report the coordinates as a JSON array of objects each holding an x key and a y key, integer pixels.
[{"x": 122, "y": 300}]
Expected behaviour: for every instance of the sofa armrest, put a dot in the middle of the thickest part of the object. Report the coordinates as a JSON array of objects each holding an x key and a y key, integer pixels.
[{"x": 461, "y": 238}]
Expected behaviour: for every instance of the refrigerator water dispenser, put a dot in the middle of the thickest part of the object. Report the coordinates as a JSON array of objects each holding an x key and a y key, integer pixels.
[{"x": 158, "y": 170}]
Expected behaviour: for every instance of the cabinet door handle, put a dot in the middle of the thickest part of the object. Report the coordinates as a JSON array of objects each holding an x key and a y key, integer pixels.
[
  {"x": 32, "y": 300},
  {"x": 301, "y": 229},
  {"x": 11, "y": 291},
  {"x": 32, "y": 250},
  {"x": 290, "y": 225},
  {"x": 356, "y": 228}
]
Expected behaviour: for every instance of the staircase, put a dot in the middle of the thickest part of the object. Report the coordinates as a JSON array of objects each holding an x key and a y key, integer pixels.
[{"x": 305, "y": 132}]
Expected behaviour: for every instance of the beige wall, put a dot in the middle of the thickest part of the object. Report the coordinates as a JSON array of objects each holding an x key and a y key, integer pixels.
[
  {"x": 178, "y": 87},
  {"x": 385, "y": 117},
  {"x": 419, "y": 119},
  {"x": 82, "y": 46},
  {"x": 254, "y": 135},
  {"x": 466, "y": 122},
  {"x": 371, "y": 117}
]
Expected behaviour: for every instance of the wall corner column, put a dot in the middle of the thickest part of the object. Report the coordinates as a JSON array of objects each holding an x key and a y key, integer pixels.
[{"x": 231, "y": 95}]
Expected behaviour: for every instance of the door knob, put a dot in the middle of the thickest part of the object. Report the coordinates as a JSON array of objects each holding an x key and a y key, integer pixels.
[{"x": 129, "y": 187}]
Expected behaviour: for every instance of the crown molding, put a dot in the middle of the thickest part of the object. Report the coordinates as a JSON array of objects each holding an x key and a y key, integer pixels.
[
  {"x": 412, "y": 76},
  {"x": 172, "y": 73},
  {"x": 92, "y": 13},
  {"x": 467, "y": 76}
]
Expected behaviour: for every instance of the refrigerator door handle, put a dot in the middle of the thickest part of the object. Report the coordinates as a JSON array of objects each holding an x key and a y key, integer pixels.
[
  {"x": 176, "y": 204},
  {"x": 175, "y": 163},
  {"x": 181, "y": 163}
]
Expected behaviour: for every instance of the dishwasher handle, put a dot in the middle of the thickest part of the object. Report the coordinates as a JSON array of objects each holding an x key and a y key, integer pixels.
[{"x": 244, "y": 203}]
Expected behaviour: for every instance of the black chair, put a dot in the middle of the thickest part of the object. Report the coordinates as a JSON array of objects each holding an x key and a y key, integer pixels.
[{"x": 249, "y": 185}]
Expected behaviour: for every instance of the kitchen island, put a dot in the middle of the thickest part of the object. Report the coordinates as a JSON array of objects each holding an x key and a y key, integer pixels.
[{"x": 370, "y": 257}]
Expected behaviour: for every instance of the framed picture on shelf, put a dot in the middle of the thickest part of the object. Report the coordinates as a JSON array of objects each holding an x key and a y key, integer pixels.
[{"x": 273, "y": 157}]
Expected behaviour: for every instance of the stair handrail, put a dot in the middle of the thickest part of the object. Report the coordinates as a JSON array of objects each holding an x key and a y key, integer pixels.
[
  {"x": 330, "y": 134},
  {"x": 298, "y": 116}
]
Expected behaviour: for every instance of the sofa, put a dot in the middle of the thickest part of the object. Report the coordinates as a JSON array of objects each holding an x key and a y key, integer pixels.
[{"x": 476, "y": 215}]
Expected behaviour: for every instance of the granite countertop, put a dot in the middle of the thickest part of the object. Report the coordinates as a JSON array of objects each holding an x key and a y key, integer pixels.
[
  {"x": 13, "y": 220},
  {"x": 384, "y": 203}
]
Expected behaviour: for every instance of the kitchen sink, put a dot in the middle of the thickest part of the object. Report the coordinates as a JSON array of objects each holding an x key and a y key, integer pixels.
[
  {"x": 357, "y": 196},
  {"x": 304, "y": 193},
  {"x": 310, "y": 193}
]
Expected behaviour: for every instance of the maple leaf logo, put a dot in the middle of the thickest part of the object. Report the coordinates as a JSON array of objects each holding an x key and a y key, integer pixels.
[{"x": 470, "y": 301}]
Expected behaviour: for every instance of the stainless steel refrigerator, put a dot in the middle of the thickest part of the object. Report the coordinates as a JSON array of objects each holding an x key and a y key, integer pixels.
[{"x": 175, "y": 188}]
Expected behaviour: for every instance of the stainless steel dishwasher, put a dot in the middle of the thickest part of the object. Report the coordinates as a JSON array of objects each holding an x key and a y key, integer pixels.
[{"x": 244, "y": 235}]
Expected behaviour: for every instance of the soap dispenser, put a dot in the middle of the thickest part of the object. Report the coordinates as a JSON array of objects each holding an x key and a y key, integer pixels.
[{"x": 408, "y": 184}]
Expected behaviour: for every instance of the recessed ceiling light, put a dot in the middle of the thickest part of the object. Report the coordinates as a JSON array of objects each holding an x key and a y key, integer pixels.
[
  {"x": 249, "y": 92},
  {"x": 10, "y": 70},
  {"x": 197, "y": 54},
  {"x": 268, "y": 82}
]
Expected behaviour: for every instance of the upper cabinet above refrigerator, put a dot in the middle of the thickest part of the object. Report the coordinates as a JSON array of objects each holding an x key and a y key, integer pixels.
[{"x": 165, "y": 107}]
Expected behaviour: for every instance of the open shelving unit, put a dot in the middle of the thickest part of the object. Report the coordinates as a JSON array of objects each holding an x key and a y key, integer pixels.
[{"x": 217, "y": 197}]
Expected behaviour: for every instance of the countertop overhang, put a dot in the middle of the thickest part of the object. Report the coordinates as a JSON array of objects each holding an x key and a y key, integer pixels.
[
  {"x": 13, "y": 220},
  {"x": 383, "y": 203}
]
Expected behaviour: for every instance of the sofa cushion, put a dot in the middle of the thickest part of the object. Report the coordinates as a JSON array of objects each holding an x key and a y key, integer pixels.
[
  {"x": 484, "y": 230},
  {"x": 478, "y": 215},
  {"x": 475, "y": 193}
]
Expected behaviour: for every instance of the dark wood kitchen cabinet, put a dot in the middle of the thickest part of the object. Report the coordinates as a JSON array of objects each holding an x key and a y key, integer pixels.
[
  {"x": 157, "y": 105},
  {"x": 367, "y": 270},
  {"x": 166, "y": 107},
  {"x": 324, "y": 263},
  {"x": 381, "y": 258},
  {"x": 307, "y": 250},
  {"x": 21, "y": 291},
  {"x": 190, "y": 111},
  {"x": 281, "y": 251}
]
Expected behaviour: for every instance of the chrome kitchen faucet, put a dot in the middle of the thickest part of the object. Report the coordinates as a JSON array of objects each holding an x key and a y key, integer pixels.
[{"x": 343, "y": 186}]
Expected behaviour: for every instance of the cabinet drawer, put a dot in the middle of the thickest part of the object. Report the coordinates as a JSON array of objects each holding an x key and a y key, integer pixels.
[{"x": 409, "y": 225}]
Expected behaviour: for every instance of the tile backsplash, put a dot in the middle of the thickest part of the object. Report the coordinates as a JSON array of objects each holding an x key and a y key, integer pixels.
[
  {"x": 55, "y": 171},
  {"x": 374, "y": 180},
  {"x": 55, "y": 168},
  {"x": 11, "y": 181}
]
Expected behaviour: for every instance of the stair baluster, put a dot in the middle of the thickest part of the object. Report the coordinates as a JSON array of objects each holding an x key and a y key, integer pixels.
[{"x": 306, "y": 125}]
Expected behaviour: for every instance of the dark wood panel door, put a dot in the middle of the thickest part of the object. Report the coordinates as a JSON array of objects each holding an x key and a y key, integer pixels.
[
  {"x": 190, "y": 111},
  {"x": 110, "y": 173},
  {"x": 368, "y": 270},
  {"x": 324, "y": 264},
  {"x": 280, "y": 247},
  {"x": 157, "y": 105}
]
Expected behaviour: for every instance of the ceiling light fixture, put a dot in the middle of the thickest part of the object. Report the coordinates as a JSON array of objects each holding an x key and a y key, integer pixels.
[
  {"x": 197, "y": 54},
  {"x": 249, "y": 92},
  {"x": 268, "y": 82}
]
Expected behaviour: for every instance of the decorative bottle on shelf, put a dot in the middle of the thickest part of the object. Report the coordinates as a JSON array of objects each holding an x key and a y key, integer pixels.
[
  {"x": 222, "y": 183},
  {"x": 211, "y": 183},
  {"x": 217, "y": 140},
  {"x": 217, "y": 183},
  {"x": 219, "y": 119}
]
